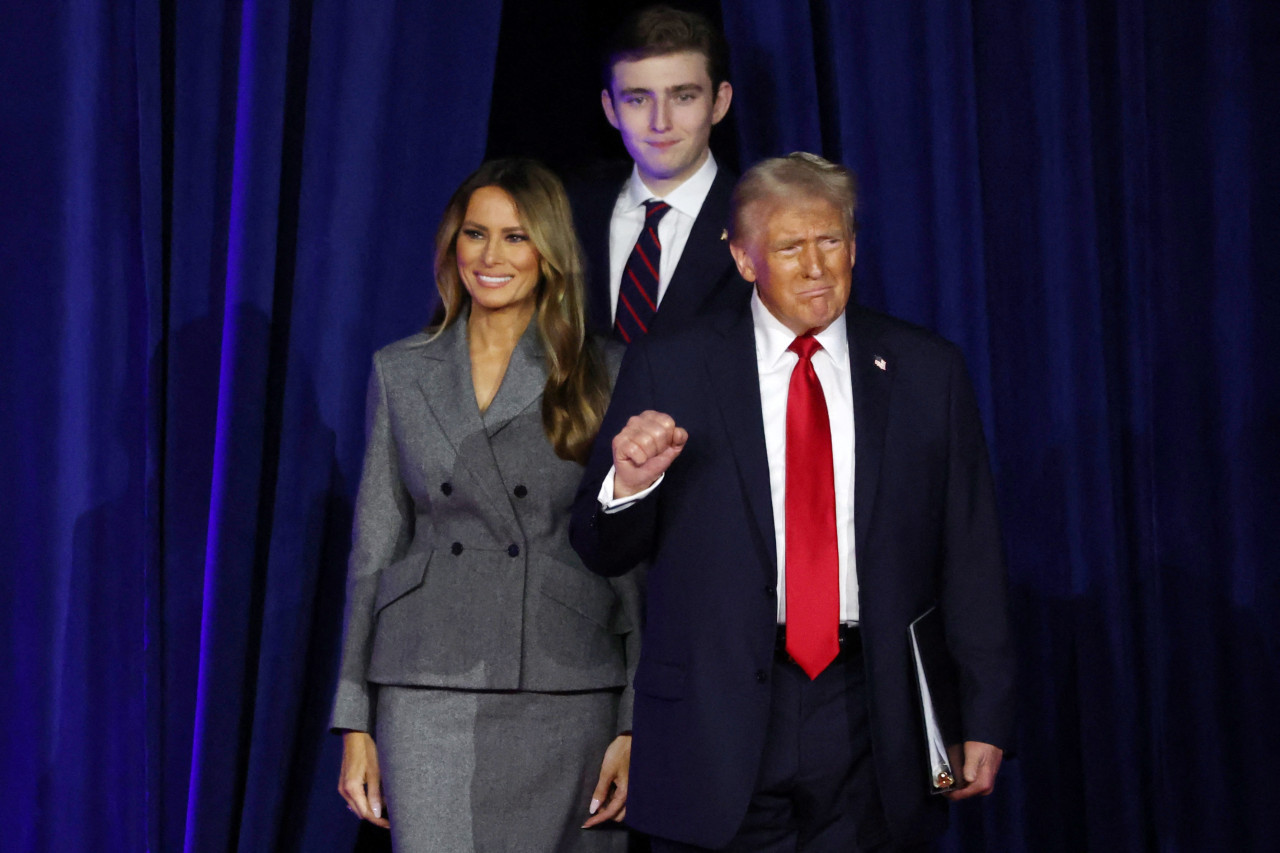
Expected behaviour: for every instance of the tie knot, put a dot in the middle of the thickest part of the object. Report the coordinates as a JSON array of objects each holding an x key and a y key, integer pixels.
[
  {"x": 654, "y": 210},
  {"x": 805, "y": 346}
]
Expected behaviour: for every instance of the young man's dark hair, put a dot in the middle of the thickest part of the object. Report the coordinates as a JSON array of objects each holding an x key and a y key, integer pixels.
[{"x": 662, "y": 30}]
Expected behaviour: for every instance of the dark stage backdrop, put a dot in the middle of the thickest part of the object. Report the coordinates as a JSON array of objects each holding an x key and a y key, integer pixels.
[{"x": 212, "y": 213}]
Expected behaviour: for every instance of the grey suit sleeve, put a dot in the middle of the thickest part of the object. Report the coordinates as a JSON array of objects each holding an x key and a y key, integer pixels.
[
  {"x": 382, "y": 530},
  {"x": 630, "y": 592}
]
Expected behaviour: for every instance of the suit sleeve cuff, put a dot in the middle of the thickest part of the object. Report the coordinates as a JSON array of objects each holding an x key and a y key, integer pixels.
[{"x": 610, "y": 504}]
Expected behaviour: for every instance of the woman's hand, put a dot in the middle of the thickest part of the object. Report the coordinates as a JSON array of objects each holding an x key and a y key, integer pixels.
[
  {"x": 360, "y": 781},
  {"x": 613, "y": 772}
]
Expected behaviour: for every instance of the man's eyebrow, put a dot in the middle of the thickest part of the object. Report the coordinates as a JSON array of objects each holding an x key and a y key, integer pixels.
[{"x": 681, "y": 89}]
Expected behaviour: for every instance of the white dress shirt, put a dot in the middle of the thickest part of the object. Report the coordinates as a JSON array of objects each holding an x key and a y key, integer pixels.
[
  {"x": 673, "y": 231},
  {"x": 774, "y": 363}
]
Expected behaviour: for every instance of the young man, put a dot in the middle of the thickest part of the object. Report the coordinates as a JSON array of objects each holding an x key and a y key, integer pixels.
[{"x": 654, "y": 240}]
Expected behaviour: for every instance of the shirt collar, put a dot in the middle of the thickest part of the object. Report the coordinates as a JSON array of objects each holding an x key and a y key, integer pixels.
[
  {"x": 773, "y": 337},
  {"x": 686, "y": 198}
]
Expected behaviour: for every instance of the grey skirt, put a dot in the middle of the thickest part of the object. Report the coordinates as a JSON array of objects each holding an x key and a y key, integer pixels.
[{"x": 492, "y": 771}]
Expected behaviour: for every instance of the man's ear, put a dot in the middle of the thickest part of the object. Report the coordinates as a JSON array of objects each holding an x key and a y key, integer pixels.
[
  {"x": 743, "y": 259},
  {"x": 606, "y": 101},
  {"x": 720, "y": 107}
]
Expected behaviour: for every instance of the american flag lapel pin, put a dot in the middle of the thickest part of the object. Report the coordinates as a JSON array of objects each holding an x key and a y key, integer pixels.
[{"x": 881, "y": 363}]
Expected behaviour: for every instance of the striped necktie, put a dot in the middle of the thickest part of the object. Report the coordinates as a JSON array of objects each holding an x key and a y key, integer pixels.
[{"x": 638, "y": 293}]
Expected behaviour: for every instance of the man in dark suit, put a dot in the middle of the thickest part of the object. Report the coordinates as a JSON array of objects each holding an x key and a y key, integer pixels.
[
  {"x": 804, "y": 477},
  {"x": 654, "y": 234}
]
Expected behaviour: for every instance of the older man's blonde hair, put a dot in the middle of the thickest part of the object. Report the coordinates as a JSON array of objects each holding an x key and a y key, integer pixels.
[{"x": 798, "y": 176}]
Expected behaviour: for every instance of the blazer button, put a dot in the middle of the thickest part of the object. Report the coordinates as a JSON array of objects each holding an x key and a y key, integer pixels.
[
  {"x": 456, "y": 548},
  {"x": 447, "y": 488},
  {"x": 514, "y": 550},
  {"x": 770, "y": 592},
  {"x": 761, "y": 676},
  {"x": 520, "y": 491}
]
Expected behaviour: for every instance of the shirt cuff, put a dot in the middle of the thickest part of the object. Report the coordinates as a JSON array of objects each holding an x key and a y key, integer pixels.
[{"x": 610, "y": 504}]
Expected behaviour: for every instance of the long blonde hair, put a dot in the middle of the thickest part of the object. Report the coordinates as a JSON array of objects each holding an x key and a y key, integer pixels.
[{"x": 577, "y": 389}]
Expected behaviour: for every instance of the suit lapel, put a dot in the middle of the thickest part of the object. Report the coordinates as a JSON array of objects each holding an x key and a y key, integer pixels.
[
  {"x": 872, "y": 369},
  {"x": 705, "y": 256},
  {"x": 593, "y": 204},
  {"x": 446, "y": 384},
  {"x": 450, "y": 395},
  {"x": 522, "y": 383},
  {"x": 731, "y": 363}
]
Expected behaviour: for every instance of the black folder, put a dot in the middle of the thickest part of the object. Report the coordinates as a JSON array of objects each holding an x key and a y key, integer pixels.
[{"x": 939, "y": 693}]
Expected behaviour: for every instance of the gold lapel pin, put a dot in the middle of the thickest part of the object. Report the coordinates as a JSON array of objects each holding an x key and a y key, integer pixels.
[{"x": 724, "y": 233}]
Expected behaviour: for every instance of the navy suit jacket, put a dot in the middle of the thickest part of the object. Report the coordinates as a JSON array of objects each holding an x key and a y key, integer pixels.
[
  {"x": 926, "y": 533},
  {"x": 702, "y": 281}
]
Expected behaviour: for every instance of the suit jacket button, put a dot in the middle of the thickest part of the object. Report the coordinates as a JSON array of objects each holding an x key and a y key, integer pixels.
[
  {"x": 514, "y": 550},
  {"x": 520, "y": 491},
  {"x": 761, "y": 676},
  {"x": 447, "y": 488},
  {"x": 456, "y": 548},
  {"x": 770, "y": 592}
]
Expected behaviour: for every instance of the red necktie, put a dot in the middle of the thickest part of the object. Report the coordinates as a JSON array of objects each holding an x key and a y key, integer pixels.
[
  {"x": 812, "y": 555},
  {"x": 638, "y": 293}
]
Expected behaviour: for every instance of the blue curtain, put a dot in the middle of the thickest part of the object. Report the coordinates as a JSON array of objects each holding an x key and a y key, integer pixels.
[{"x": 212, "y": 213}]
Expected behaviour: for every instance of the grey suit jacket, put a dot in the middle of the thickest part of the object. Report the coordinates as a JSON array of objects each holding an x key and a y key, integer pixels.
[{"x": 461, "y": 573}]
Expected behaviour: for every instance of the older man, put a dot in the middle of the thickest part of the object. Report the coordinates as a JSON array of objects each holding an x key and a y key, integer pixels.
[{"x": 805, "y": 477}]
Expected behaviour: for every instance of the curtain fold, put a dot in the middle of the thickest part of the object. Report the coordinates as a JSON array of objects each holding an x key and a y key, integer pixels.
[{"x": 213, "y": 214}]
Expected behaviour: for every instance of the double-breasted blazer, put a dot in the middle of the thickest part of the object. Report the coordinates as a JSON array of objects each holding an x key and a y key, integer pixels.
[
  {"x": 925, "y": 534},
  {"x": 461, "y": 573}
]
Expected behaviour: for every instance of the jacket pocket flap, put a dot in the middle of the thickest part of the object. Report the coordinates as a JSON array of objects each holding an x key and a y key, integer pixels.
[
  {"x": 588, "y": 595},
  {"x": 663, "y": 680},
  {"x": 400, "y": 578}
]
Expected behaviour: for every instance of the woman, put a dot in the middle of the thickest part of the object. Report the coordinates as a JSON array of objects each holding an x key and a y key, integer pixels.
[{"x": 489, "y": 667}]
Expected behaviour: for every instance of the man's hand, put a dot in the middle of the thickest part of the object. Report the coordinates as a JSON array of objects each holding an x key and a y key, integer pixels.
[
  {"x": 978, "y": 778},
  {"x": 360, "y": 781},
  {"x": 613, "y": 773},
  {"x": 644, "y": 450}
]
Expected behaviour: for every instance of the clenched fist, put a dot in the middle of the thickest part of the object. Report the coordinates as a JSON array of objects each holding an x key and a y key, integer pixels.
[{"x": 643, "y": 451}]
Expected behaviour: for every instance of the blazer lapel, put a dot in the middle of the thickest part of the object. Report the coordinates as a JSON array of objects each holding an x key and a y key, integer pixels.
[
  {"x": 521, "y": 385},
  {"x": 593, "y": 203},
  {"x": 446, "y": 384},
  {"x": 872, "y": 369},
  {"x": 731, "y": 363},
  {"x": 705, "y": 256},
  {"x": 451, "y": 396}
]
